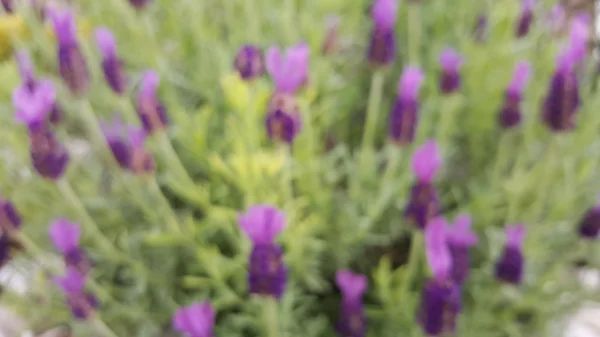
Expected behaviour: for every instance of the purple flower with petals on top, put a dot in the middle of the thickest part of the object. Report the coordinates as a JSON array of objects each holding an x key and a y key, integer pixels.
[
  {"x": 460, "y": 239},
  {"x": 72, "y": 282},
  {"x": 283, "y": 122},
  {"x": 150, "y": 109},
  {"x": 115, "y": 136},
  {"x": 579, "y": 37},
  {"x": 510, "y": 114},
  {"x": 450, "y": 61},
  {"x": 441, "y": 298},
  {"x": 10, "y": 220},
  {"x": 352, "y": 321},
  {"x": 141, "y": 161},
  {"x": 127, "y": 143},
  {"x": 526, "y": 18},
  {"x": 424, "y": 203},
  {"x": 382, "y": 47},
  {"x": 49, "y": 157},
  {"x": 510, "y": 265},
  {"x": 82, "y": 304},
  {"x": 196, "y": 320},
  {"x": 267, "y": 274},
  {"x": 140, "y": 4},
  {"x": 405, "y": 114},
  {"x": 111, "y": 64},
  {"x": 290, "y": 70},
  {"x": 33, "y": 105},
  {"x": 72, "y": 64},
  {"x": 249, "y": 62},
  {"x": 589, "y": 225},
  {"x": 66, "y": 235}
]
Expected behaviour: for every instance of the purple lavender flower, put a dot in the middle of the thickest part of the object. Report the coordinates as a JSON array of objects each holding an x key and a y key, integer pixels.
[
  {"x": 525, "y": 18},
  {"x": 34, "y": 104},
  {"x": 196, "y": 320},
  {"x": 66, "y": 236},
  {"x": 352, "y": 321},
  {"x": 451, "y": 62},
  {"x": 460, "y": 239},
  {"x": 283, "y": 122},
  {"x": 589, "y": 225},
  {"x": 72, "y": 64},
  {"x": 140, "y": 4},
  {"x": 510, "y": 265},
  {"x": 49, "y": 157},
  {"x": 289, "y": 71},
  {"x": 556, "y": 18},
  {"x": 150, "y": 109},
  {"x": 115, "y": 136},
  {"x": 111, "y": 64},
  {"x": 267, "y": 274},
  {"x": 127, "y": 144},
  {"x": 249, "y": 62},
  {"x": 8, "y": 5},
  {"x": 382, "y": 47},
  {"x": 480, "y": 29},
  {"x": 405, "y": 114},
  {"x": 562, "y": 101},
  {"x": 330, "y": 42},
  {"x": 441, "y": 298},
  {"x": 579, "y": 37},
  {"x": 140, "y": 161},
  {"x": 424, "y": 203},
  {"x": 83, "y": 304},
  {"x": 10, "y": 220},
  {"x": 510, "y": 114}
]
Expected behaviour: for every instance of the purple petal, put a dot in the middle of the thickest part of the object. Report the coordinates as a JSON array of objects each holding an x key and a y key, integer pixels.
[
  {"x": 273, "y": 61},
  {"x": 65, "y": 235},
  {"x": 262, "y": 223},
  {"x": 580, "y": 36},
  {"x": 520, "y": 77},
  {"x": 426, "y": 161},
  {"x": 290, "y": 71},
  {"x": 114, "y": 129},
  {"x": 34, "y": 105},
  {"x": 106, "y": 43},
  {"x": 450, "y": 60},
  {"x": 352, "y": 285},
  {"x": 64, "y": 25},
  {"x": 528, "y": 5},
  {"x": 436, "y": 248},
  {"x": 384, "y": 13},
  {"x": 557, "y": 17},
  {"x": 410, "y": 82},
  {"x": 460, "y": 233},
  {"x": 515, "y": 235},
  {"x": 149, "y": 84},
  {"x": 196, "y": 320},
  {"x": 136, "y": 136},
  {"x": 72, "y": 282}
]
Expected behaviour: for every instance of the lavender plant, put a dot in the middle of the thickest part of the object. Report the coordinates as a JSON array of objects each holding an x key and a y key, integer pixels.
[{"x": 289, "y": 168}]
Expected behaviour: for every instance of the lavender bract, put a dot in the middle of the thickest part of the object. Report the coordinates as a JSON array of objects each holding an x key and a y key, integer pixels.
[
  {"x": 404, "y": 117},
  {"x": 49, "y": 157},
  {"x": 352, "y": 321},
  {"x": 510, "y": 114},
  {"x": 450, "y": 62},
  {"x": 267, "y": 273},
  {"x": 65, "y": 236},
  {"x": 127, "y": 143},
  {"x": 525, "y": 18},
  {"x": 589, "y": 225},
  {"x": 196, "y": 320},
  {"x": 248, "y": 62},
  {"x": 460, "y": 240},
  {"x": 424, "y": 202},
  {"x": 152, "y": 112},
  {"x": 72, "y": 64},
  {"x": 83, "y": 304},
  {"x": 510, "y": 265},
  {"x": 382, "y": 47},
  {"x": 111, "y": 64}
]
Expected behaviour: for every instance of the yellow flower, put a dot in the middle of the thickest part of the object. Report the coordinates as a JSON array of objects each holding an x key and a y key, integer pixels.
[
  {"x": 11, "y": 27},
  {"x": 236, "y": 91}
]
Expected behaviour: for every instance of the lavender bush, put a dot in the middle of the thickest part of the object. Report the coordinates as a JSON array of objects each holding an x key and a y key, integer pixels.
[{"x": 298, "y": 168}]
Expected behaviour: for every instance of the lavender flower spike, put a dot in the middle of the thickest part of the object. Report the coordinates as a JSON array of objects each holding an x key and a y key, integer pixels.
[
  {"x": 10, "y": 220},
  {"x": 525, "y": 19},
  {"x": 33, "y": 105},
  {"x": 289, "y": 71},
  {"x": 579, "y": 37},
  {"x": 114, "y": 133},
  {"x": 196, "y": 320},
  {"x": 424, "y": 203},
  {"x": 451, "y": 62},
  {"x": 249, "y": 62},
  {"x": 440, "y": 300},
  {"x": 382, "y": 47},
  {"x": 82, "y": 304},
  {"x": 141, "y": 161},
  {"x": 510, "y": 114},
  {"x": 49, "y": 157},
  {"x": 150, "y": 109},
  {"x": 405, "y": 114},
  {"x": 66, "y": 236},
  {"x": 352, "y": 321},
  {"x": 589, "y": 225},
  {"x": 72, "y": 65},
  {"x": 460, "y": 239},
  {"x": 267, "y": 274},
  {"x": 112, "y": 66},
  {"x": 510, "y": 265}
]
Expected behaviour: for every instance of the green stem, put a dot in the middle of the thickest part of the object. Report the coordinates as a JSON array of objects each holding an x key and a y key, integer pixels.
[
  {"x": 271, "y": 317},
  {"x": 414, "y": 33},
  {"x": 288, "y": 191},
  {"x": 253, "y": 17},
  {"x": 548, "y": 165},
  {"x": 447, "y": 122},
  {"x": 368, "y": 141},
  {"x": 416, "y": 251},
  {"x": 392, "y": 166},
  {"x": 101, "y": 326},
  {"x": 172, "y": 221},
  {"x": 290, "y": 24},
  {"x": 503, "y": 155}
]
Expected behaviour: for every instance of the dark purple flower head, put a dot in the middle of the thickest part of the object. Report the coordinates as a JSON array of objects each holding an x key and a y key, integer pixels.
[
  {"x": 82, "y": 304},
  {"x": 115, "y": 135},
  {"x": 460, "y": 239},
  {"x": 330, "y": 42},
  {"x": 5, "y": 247},
  {"x": 382, "y": 47},
  {"x": 589, "y": 225},
  {"x": 196, "y": 320},
  {"x": 563, "y": 100},
  {"x": 72, "y": 282},
  {"x": 8, "y": 5},
  {"x": 424, "y": 202},
  {"x": 140, "y": 4},
  {"x": 150, "y": 109},
  {"x": 127, "y": 144},
  {"x": 267, "y": 274},
  {"x": 65, "y": 235},
  {"x": 450, "y": 62},
  {"x": 72, "y": 64},
  {"x": 352, "y": 321},
  {"x": 405, "y": 114},
  {"x": 283, "y": 121},
  {"x": 440, "y": 306},
  {"x": 290, "y": 70},
  {"x": 112, "y": 66},
  {"x": 34, "y": 104},
  {"x": 510, "y": 265},
  {"x": 436, "y": 249},
  {"x": 49, "y": 157},
  {"x": 249, "y": 62},
  {"x": 525, "y": 18},
  {"x": 510, "y": 114},
  {"x": 384, "y": 14},
  {"x": 10, "y": 220}
]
